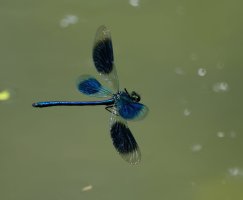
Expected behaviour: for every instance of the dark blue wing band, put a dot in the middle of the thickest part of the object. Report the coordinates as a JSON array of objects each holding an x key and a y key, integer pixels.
[
  {"x": 122, "y": 138},
  {"x": 103, "y": 56},
  {"x": 89, "y": 86}
]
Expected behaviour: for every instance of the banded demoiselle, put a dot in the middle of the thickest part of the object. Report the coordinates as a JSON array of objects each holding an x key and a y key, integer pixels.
[{"x": 124, "y": 106}]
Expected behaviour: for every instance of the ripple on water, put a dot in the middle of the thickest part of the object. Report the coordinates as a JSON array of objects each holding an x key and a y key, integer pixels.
[
  {"x": 179, "y": 71},
  {"x": 196, "y": 147},
  {"x": 134, "y": 3},
  {"x": 221, "y": 87},
  {"x": 187, "y": 112},
  {"x": 68, "y": 20},
  {"x": 220, "y": 134},
  {"x": 201, "y": 72},
  {"x": 235, "y": 171}
]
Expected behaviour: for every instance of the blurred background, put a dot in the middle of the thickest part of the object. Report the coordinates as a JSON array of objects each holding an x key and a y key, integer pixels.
[{"x": 183, "y": 57}]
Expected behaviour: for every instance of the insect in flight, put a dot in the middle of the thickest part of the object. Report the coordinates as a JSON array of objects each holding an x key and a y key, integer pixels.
[{"x": 124, "y": 106}]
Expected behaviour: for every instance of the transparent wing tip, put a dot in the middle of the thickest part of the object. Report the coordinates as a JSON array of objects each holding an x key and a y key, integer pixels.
[
  {"x": 102, "y": 32},
  {"x": 133, "y": 157}
]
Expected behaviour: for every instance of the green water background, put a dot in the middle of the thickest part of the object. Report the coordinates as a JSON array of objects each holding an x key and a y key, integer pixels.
[{"x": 183, "y": 57}]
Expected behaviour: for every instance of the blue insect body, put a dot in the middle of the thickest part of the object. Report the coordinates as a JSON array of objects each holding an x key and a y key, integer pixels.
[{"x": 124, "y": 106}]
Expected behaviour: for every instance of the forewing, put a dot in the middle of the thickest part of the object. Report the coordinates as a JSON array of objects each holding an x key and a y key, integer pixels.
[
  {"x": 88, "y": 85},
  {"x": 123, "y": 140},
  {"x": 103, "y": 56},
  {"x": 130, "y": 110}
]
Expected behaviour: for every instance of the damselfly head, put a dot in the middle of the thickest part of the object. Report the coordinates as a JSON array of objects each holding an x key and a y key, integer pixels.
[{"x": 134, "y": 96}]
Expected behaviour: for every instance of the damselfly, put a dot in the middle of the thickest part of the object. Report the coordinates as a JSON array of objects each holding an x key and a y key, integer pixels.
[{"x": 124, "y": 106}]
